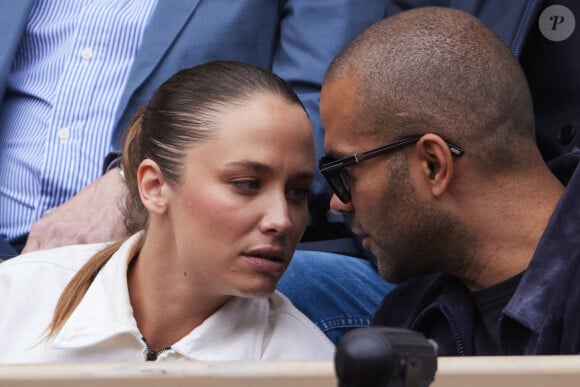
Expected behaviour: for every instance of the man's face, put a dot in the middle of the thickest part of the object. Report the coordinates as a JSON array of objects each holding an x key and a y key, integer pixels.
[{"x": 402, "y": 228}]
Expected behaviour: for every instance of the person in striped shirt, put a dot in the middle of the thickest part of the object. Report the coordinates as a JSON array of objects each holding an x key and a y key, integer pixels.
[{"x": 73, "y": 73}]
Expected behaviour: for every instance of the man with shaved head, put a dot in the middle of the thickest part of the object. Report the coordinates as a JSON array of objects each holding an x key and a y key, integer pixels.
[{"x": 431, "y": 152}]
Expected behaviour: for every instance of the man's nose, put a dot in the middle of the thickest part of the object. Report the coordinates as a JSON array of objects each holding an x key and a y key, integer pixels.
[{"x": 337, "y": 205}]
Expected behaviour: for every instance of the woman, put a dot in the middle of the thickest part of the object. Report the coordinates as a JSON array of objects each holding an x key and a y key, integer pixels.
[{"x": 218, "y": 167}]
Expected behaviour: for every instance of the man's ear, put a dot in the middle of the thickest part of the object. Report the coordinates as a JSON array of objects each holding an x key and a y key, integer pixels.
[
  {"x": 436, "y": 163},
  {"x": 152, "y": 187}
]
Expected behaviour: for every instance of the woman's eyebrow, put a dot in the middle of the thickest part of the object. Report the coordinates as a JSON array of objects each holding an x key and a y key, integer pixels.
[
  {"x": 265, "y": 168},
  {"x": 251, "y": 165}
]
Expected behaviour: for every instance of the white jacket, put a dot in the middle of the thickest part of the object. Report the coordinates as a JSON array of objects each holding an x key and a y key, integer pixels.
[{"x": 102, "y": 327}]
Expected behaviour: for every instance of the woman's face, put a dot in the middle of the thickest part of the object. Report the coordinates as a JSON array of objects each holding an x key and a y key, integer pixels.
[{"x": 241, "y": 206}]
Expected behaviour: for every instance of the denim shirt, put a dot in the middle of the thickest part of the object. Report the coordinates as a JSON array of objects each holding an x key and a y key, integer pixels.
[{"x": 541, "y": 317}]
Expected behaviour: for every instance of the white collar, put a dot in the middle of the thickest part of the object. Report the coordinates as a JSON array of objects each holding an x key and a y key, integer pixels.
[{"x": 105, "y": 310}]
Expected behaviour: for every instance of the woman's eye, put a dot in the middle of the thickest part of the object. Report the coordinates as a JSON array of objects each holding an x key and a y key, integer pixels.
[
  {"x": 298, "y": 195},
  {"x": 247, "y": 186}
]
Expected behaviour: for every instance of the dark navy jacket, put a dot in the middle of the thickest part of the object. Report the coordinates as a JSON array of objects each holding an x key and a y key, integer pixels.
[{"x": 543, "y": 315}]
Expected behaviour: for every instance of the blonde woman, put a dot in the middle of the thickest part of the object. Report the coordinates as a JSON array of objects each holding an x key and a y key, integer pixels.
[{"x": 218, "y": 166}]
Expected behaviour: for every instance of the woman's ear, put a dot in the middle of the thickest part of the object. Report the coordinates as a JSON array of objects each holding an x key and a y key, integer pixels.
[
  {"x": 436, "y": 163},
  {"x": 152, "y": 187}
]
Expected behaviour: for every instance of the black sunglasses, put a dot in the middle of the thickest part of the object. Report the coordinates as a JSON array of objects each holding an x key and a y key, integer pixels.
[{"x": 332, "y": 169}]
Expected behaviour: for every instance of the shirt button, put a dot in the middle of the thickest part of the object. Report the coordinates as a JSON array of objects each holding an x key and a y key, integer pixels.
[
  {"x": 87, "y": 53},
  {"x": 566, "y": 134},
  {"x": 63, "y": 134}
]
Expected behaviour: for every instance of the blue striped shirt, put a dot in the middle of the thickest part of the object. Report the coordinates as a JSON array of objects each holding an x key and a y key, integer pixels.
[{"x": 63, "y": 90}]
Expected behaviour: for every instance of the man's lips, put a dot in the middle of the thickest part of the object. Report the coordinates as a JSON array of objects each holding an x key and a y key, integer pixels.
[
  {"x": 355, "y": 227},
  {"x": 358, "y": 232},
  {"x": 363, "y": 237}
]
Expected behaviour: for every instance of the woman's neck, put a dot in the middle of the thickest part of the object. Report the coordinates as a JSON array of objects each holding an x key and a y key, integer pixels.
[{"x": 166, "y": 303}]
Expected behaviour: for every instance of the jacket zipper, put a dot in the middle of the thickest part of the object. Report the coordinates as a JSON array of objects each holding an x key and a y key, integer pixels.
[{"x": 454, "y": 330}]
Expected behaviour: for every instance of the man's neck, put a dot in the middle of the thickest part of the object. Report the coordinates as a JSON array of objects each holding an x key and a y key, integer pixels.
[{"x": 510, "y": 228}]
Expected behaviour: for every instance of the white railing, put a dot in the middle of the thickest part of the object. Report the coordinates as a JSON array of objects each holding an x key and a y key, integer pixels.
[{"x": 522, "y": 371}]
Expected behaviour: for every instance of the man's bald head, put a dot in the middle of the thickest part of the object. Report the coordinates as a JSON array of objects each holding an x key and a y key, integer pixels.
[{"x": 441, "y": 70}]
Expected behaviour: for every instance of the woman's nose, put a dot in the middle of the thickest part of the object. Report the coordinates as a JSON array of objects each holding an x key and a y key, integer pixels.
[{"x": 276, "y": 217}]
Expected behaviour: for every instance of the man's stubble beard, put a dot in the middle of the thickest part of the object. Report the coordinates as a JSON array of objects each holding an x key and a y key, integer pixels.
[{"x": 415, "y": 237}]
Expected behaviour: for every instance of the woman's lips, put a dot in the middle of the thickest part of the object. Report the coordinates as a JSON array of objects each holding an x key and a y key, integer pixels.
[{"x": 267, "y": 259}]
